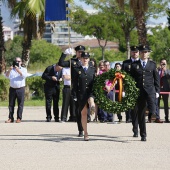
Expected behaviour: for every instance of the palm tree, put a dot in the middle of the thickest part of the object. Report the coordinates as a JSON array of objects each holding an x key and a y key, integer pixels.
[
  {"x": 2, "y": 48},
  {"x": 27, "y": 11},
  {"x": 139, "y": 8}
]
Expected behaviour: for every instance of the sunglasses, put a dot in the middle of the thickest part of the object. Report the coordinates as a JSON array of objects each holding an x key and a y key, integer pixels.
[{"x": 18, "y": 61}]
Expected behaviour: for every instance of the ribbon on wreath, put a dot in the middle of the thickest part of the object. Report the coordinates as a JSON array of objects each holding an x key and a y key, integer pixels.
[{"x": 120, "y": 77}]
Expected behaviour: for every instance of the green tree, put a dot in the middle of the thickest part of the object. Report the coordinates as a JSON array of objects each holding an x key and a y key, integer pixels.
[
  {"x": 97, "y": 25},
  {"x": 160, "y": 43},
  {"x": 13, "y": 49},
  {"x": 168, "y": 13},
  {"x": 141, "y": 9},
  {"x": 43, "y": 54}
]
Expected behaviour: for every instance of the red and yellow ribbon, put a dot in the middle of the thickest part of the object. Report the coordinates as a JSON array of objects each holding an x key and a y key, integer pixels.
[{"x": 120, "y": 77}]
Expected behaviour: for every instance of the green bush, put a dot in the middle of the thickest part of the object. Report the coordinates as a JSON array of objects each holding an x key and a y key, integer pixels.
[{"x": 4, "y": 88}]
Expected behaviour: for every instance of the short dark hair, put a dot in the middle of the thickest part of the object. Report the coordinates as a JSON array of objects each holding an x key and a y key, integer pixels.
[{"x": 162, "y": 59}]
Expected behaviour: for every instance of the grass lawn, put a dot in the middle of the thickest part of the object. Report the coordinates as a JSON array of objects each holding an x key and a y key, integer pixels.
[{"x": 41, "y": 102}]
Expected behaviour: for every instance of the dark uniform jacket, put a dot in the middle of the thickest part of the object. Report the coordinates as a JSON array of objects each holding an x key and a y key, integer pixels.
[
  {"x": 165, "y": 81},
  {"x": 75, "y": 63},
  {"x": 126, "y": 66},
  {"x": 146, "y": 78},
  {"x": 47, "y": 75},
  {"x": 83, "y": 84}
]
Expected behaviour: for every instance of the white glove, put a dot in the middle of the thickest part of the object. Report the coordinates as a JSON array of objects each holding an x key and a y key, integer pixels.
[
  {"x": 157, "y": 95},
  {"x": 68, "y": 51},
  {"x": 75, "y": 99},
  {"x": 123, "y": 94}
]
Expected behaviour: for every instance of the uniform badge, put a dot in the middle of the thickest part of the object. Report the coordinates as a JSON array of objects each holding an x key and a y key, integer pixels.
[
  {"x": 74, "y": 63},
  {"x": 79, "y": 72},
  {"x": 137, "y": 66}
]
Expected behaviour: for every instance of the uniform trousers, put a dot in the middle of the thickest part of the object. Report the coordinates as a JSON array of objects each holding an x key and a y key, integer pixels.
[
  {"x": 138, "y": 117},
  {"x": 78, "y": 116},
  {"x": 16, "y": 93},
  {"x": 52, "y": 94},
  {"x": 165, "y": 101},
  {"x": 67, "y": 104}
]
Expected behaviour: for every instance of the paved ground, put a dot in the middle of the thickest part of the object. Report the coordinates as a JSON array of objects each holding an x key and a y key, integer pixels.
[{"x": 37, "y": 145}]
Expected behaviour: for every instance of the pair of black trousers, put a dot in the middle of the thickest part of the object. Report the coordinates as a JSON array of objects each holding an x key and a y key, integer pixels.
[
  {"x": 16, "y": 93},
  {"x": 67, "y": 104},
  {"x": 52, "y": 94},
  {"x": 144, "y": 101},
  {"x": 166, "y": 107}
]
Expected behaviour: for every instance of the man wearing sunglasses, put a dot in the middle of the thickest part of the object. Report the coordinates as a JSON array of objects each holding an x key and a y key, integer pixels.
[
  {"x": 17, "y": 75},
  {"x": 146, "y": 75}
]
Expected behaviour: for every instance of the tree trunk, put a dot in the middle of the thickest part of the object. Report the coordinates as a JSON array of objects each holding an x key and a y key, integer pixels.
[
  {"x": 127, "y": 37},
  {"x": 141, "y": 27},
  {"x": 28, "y": 34},
  {"x": 2, "y": 49}
]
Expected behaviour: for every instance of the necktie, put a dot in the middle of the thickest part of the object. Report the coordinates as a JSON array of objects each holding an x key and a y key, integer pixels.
[
  {"x": 85, "y": 69},
  {"x": 144, "y": 64}
]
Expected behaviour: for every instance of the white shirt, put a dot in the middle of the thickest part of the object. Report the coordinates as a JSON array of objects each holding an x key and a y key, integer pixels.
[
  {"x": 66, "y": 71},
  {"x": 16, "y": 80}
]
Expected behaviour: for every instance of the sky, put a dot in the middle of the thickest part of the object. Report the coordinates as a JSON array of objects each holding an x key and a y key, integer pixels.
[{"x": 9, "y": 22}]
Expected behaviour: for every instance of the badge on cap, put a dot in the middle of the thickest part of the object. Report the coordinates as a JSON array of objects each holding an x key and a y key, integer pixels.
[
  {"x": 79, "y": 72},
  {"x": 74, "y": 63}
]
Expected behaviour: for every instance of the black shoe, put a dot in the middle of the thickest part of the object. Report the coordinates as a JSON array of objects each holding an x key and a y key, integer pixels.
[
  {"x": 88, "y": 120},
  {"x": 80, "y": 134},
  {"x": 143, "y": 138},
  {"x": 103, "y": 121},
  {"x": 120, "y": 120},
  {"x": 128, "y": 121},
  {"x": 48, "y": 120},
  {"x": 135, "y": 135},
  {"x": 72, "y": 120},
  {"x": 57, "y": 120},
  {"x": 167, "y": 121}
]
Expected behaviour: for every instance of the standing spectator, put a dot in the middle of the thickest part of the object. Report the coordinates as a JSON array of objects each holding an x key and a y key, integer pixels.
[
  {"x": 164, "y": 87},
  {"x": 84, "y": 78},
  {"x": 74, "y": 62},
  {"x": 104, "y": 116},
  {"x": 126, "y": 66},
  {"x": 118, "y": 67},
  {"x": 101, "y": 68},
  {"x": 67, "y": 98},
  {"x": 52, "y": 76},
  {"x": 17, "y": 75},
  {"x": 147, "y": 80}
]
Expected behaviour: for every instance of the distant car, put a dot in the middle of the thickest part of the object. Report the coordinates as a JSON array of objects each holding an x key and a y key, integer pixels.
[{"x": 112, "y": 64}]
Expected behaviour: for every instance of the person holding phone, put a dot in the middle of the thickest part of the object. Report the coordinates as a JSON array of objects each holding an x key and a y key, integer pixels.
[{"x": 17, "y": 75}]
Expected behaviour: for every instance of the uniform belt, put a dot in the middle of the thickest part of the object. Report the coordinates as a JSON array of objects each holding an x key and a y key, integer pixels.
[
  {"x": 17, "y": 88},
  {"x": 66, "y": 86}
]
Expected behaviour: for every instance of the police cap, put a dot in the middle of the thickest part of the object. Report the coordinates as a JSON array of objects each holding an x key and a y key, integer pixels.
[
  {"x": 144, "y": 48},
  {"x": 80, "y": 48},
  {"x": 134, "y": 48},
  {"x": 85, "y": 55}
]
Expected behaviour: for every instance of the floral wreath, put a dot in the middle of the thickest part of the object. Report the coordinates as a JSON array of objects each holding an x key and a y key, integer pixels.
[{"x": 126, "y": 82}]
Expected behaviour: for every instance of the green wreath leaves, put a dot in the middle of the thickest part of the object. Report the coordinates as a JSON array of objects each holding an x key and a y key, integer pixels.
[{"x": 115, "y": 107}]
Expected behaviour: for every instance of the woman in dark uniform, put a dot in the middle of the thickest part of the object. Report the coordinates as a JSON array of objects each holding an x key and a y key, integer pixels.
[{"x": 84, "y": 78}]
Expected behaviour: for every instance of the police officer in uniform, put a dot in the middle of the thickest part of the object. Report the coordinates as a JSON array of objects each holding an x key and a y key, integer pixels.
[
  {"x": 126, "y": 66},
  {"x": 75, "y": 62},
  {"x": 84, "y": 78},
  {"x": 147, "y": 80}
]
